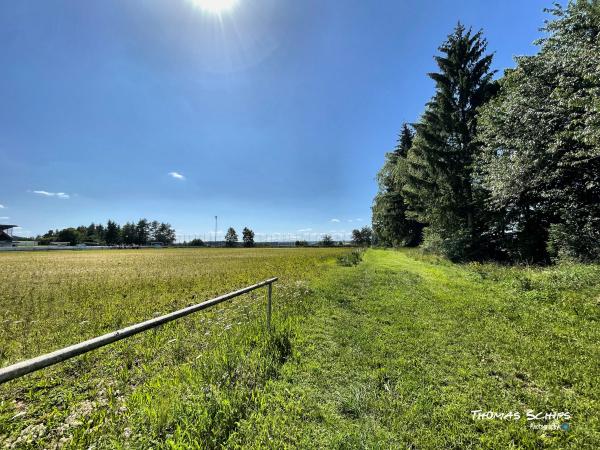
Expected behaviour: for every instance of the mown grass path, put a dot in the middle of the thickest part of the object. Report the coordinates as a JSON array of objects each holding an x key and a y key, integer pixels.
[{"x": 402, "y": 348}]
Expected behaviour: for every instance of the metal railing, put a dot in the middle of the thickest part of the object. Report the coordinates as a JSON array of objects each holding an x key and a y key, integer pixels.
[{"x": 31, "y": 365}]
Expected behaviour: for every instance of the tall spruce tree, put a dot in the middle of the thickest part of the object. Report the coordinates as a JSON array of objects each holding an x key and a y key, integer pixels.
[
  {"x": 390, "y": 223},
  {"x": 437, "y": 176}
]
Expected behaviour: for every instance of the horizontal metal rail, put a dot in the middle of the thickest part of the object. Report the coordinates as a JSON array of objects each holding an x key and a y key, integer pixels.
[{"x": 31, "y": 365}]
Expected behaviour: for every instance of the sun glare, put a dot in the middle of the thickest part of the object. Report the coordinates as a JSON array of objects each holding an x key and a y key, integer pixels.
[{"x": 215, "y": 6}]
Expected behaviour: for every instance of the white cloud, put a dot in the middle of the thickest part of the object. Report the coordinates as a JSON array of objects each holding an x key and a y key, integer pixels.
[
  {"x": 335, "y": 220},
  {"x": 350, "y": 221},
  {"x": 304, "y": 230},
  {"x": 53, "y": 194},
  {"x": 177, "y": 175},
  {"x": 358, "y": 220},
  {"x": 4, "y": 218},
  {"x": 1, "y": 206}
]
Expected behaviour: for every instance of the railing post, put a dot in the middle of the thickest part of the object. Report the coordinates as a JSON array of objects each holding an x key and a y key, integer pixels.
[{"x": 269, "y": 295}]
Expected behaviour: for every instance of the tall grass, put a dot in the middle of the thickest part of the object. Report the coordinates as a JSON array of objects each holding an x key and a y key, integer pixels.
[{"x": 203, "y": 370}]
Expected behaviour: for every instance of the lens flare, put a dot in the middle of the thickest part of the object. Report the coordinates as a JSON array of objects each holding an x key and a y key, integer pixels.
[{"x": 216, "y": 7}]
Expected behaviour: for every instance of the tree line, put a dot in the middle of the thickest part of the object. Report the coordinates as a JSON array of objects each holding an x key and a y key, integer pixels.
[
  {"x": 505, "y": 169},
  {"x": 231, "y": 237},
  {"x": 142, "y": 232},
  {"x": 145, "y": 232}
]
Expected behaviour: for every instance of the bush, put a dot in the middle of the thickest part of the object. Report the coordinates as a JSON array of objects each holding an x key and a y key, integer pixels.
[
  {"x": 432, "y": 241},
  {"x": 196, "y": 243},
  {"x": 350, "y": 259},
  {"x": 574, "y": 242},
  {"x": 460, "y": 246}
]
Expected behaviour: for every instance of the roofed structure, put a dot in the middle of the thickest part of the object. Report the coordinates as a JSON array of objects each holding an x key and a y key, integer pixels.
[{"x": 6, "y": 238}]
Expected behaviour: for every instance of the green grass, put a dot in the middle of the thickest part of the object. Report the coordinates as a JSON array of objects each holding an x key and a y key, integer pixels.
[
  {"x": 394, "y": 352},
  {"x": 54, "y": 299}
]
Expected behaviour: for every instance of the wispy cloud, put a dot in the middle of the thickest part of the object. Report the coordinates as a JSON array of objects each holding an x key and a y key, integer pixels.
[
  {"x": 177, "y": 175},
  {"x": 335, "y": 220},
  {"x": 53, "y": 194},
  {"x": 4, "y": 218},
  {"x": 358, "y": 220},
  {"x": 1, "y": 206},
  {"x": 350, "y": 220},
  {"x": 304, "y": 230}
]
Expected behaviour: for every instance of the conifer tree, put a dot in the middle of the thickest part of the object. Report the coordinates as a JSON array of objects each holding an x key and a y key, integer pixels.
[
  {"x": 113, "y": 232},
  {"x": 437, "y": 176},
  {"x": 390, "y": 223}
]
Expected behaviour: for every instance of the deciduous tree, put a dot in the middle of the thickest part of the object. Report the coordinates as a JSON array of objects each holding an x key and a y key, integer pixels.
[
  {"x": 541, "y": 136},
  {"x": 248, "y": 237},
  {"x": 231, "y": 238}
]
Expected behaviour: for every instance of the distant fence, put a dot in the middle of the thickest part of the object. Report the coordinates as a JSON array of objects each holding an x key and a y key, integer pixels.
[
  {"x": 31, "y": 365},
  {"x": 271, "y": 239}
]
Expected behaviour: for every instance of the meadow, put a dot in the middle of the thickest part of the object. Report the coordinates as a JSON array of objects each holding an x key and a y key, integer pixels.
[
  {"x": 49, "y": 300},
  {"x": 384, "y": 349}
]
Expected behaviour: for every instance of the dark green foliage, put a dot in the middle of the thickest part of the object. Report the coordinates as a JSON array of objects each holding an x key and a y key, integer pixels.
[
  {"x": 142, "y": 233},
  {"x": 196, "y": 243},
  {"x": 248, "y": 237},
  {"x": 70, "y": 235},
  {"x": 390, "y": 222},
  {"x": 506, "y": 170},
  {"x": 113, "y": 233},
  {"x": 362, "y": 237},
  {"x": 327, "y": 241},
  {"x": 129, "y": 233},
  {"x": 164, "y": 233},
  {"x": 301, "y": 244},
  {"x": 437, "y": 174},
  {"x": 231, "y": 238},
  {"x": 541, "y": 135}
]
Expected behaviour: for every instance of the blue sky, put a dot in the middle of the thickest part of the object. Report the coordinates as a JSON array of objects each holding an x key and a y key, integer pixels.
[{"x": 276, "y": 114}]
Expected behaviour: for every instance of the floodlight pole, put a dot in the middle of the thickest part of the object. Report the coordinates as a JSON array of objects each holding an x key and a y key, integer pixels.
[{"x": 215, "y": 231}]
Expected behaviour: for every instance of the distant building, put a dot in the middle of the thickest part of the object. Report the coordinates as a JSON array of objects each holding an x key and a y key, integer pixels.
[{"x": 6, "y": 239}]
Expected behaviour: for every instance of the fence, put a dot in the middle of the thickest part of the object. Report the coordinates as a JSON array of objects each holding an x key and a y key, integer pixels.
[
  {"x": 272, "y": 239},
  {"x": 31, "y": 365}
]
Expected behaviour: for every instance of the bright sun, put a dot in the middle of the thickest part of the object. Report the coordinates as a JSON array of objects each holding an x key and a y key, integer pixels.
[{"x": 215, "y": 6}]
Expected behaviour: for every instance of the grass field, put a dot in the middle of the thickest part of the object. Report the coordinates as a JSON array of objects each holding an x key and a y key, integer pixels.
[{"x": 392, "y": 353}]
